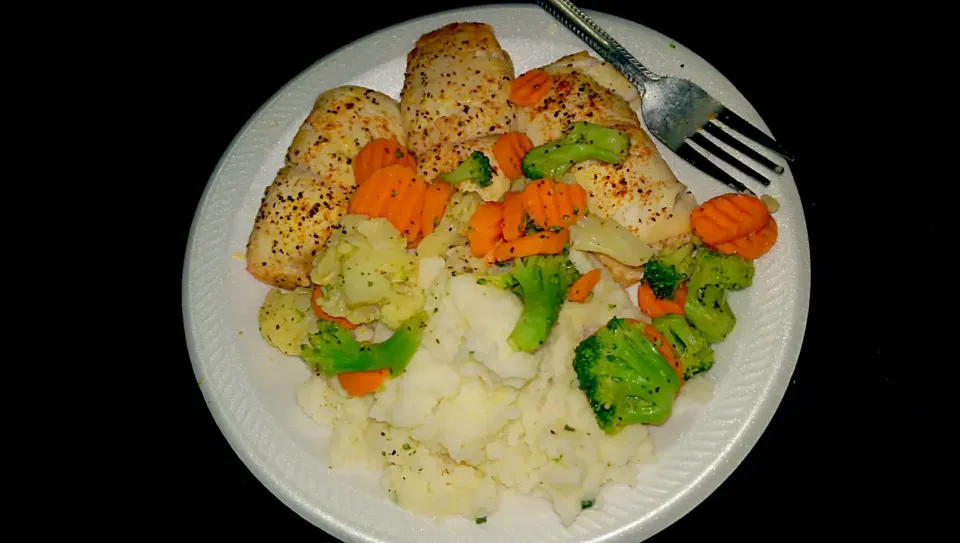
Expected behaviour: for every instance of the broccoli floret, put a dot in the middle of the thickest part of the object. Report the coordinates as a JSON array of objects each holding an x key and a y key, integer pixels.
[
  {"x": 333, "y": 350},
  {"x": 681, "y": 258},
  {"x": 542, "y": 282},
  {"x": 726, "y": 271},
  {"x": 581, "y": 141},
  {"x": 708, "y": 311},
  {"x": 692, "y": 348},
  {"x": 476, "y": 168},
  {"x": 624, "y": 377},
  {"x": 667, "y": 270},
  {"x": 706, "y": 307},
  {"x": 662, "y": 278}
]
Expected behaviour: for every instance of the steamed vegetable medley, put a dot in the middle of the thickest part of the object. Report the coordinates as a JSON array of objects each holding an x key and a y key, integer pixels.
[{"x": 363, "y": 319}]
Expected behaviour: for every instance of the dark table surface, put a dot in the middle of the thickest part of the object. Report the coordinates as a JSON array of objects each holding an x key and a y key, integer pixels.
[{"x": 794, "y": 479}]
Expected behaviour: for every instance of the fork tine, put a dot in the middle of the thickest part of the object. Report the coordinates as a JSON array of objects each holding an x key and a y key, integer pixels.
[
  {"x": 714, "y": 130},
  {"x": 718, "y": 152},
  {"x": 737, "y": 123},
  {"x": 702, "y": 163}
]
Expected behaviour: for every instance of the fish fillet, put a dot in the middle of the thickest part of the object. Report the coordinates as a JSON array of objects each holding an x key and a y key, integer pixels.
[
  {"x": 456, "y": 87},
  {"x": 642, "y": 193},
  {"x": 310, "y": 193},
  {"x": 449, "y": 156}
]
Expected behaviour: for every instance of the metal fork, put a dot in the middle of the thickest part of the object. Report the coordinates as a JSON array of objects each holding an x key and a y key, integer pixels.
[{"x": 676, "y": 110}]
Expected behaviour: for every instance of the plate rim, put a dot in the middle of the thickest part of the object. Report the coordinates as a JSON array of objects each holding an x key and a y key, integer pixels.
[{"x": 743, "y": 441}]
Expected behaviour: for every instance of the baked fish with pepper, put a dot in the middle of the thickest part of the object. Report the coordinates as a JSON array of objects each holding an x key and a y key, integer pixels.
[
  {"x": 456, "y": 88},
  {"x": 470, "y": 165},
  {"x": 637, "y": 189},
  {"x": 310, "y": 193}
]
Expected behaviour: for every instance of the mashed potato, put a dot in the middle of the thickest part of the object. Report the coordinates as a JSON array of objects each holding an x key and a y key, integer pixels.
[{"x": 470, "y": 418}]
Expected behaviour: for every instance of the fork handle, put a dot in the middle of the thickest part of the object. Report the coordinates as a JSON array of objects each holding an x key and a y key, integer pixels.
[{"x": 601, "y": 42}]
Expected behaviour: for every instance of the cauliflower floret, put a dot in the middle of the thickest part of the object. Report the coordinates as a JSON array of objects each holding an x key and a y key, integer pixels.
[
  {"x": 430, "y": 269},
  {"x": 367, "y": 273},
  {"x": 438, "y": 242},
  {"x": 286, "y": 318}
]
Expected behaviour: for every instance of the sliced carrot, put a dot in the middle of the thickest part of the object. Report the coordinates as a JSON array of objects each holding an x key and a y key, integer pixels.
[
  {"x": 654, "y": 307},
  {"x": 554, "y": 205},
  {"x": 359, "y": 383},
  {"x": 396, "y": 193},
  {"x": 509, "y": 150},
  {"x": 405, "y": 211},
  {"x": 415, "y": 219},
  {"x": 379, "y": 153},
  {"x": 391, "y": 192},
  {"x": 583, "y": 286},
  {"x": 530, "y": 87},
  {"x": 512, "y": 215},
  {"x": 322, "y": 315},
  {"x": 371, "y": 196},
  {"x": 490, "y": 257},
  {"x": 752, "y": 246},
  {"x": 727, "y": 217},
  {"x": 664, "y": 348},
  {"x": 435, "y": 204},
  {"x": 360, "y": 199},
  {"x": 533, "y": 204},
  {"x": 548, "y": 198},
  {"x": 571, "y": 200},
  {"x": 578, "y": 197},
  {"x": 485, "y": 228},
  {"x": 540, "y": 243},
  {"x": 648, "y": 302},
  {"x": 680, "y": 296},
  {"x": 562, "y": 199}
]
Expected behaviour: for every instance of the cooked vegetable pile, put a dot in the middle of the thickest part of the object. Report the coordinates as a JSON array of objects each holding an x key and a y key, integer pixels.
[
  {"x": 630, "y": 372},
  {"x": 684, "y": 291},
  {"x": 333, "y": 350},
  {"x": 476, "y": 168}
]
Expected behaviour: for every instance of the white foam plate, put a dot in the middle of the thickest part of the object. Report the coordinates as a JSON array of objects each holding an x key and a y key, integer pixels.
[{"x": 250, "y": 387}]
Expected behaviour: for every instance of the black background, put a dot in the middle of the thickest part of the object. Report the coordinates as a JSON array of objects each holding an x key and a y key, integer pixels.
[{"x": 803, "y": 473}]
